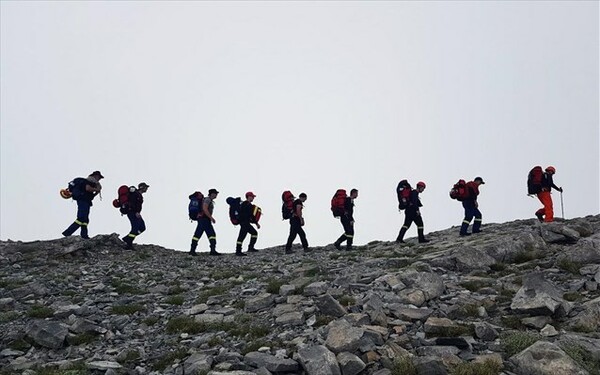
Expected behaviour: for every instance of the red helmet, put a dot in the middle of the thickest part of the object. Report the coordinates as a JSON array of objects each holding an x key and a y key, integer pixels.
[
  {"x": 421, "y": 184},
  {"x": 551, "y": 169}
]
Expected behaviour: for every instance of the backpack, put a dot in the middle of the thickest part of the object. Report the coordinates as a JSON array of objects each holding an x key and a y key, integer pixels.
[
  {"x": 123, "y": 198},
  {"x": 195, "y": 206},
  {"x": 403, "y": 192},
  {"x": 459, "y": 191},
  {"x": 77, "y": 188},
  {"x": 534, "y": 180},
  {"x": 235, "y": 206},
  {"x": 287, "y": 209},
  {"x": 338, "y": 203},
  {"x": 256, "y": 214}
]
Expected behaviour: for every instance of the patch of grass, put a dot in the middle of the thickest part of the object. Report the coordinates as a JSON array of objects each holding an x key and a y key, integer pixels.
[
  {"x": 69, "y": 293},
  {"x": 250, "y": 331},
  {"x": 346, "y": 300},
  {"x": 8, "y": 316},
  {"x": 10, "y": 284},
  {"x": 175, "y": 300},
  {"x": 569, "y": 266},
  {"x": 124, "y": 288},
  {"x": 454, "y": 331},
  {"x": 127, "y": 309},
  {"x": 224, "y": 274},
  {"x": 498, "y": 267},
  {"x": 515, "y": 342},
  {"x": 151, "y": 320},
  {"x": 469, "y": 310},
  {"x": 205, "y": 294},
  {"x": 168, "y": 359},
  {"x": 527, "y": 256},
  {"x": 239, "y": 304},
  {"x": 323, "y": 320},
  {"x": 78, "y": 368},
  {"x": 312, "y": 272},
  {"x": 274, "y": 285},
  {"x": 404, "y": 366},
  {"x": 582, "y": 357},
  {"x": 512, "y": 321},
  {"x": 131, "y": 356},
  {"x": 215, "y": 341},
  {"x": 39, "y": 311},
  {"x": 20, "y": 344},
  {"x": 583, "y": 328},
  {"x": 176, "y": 289},
  {"x": 185, "y": 324},
  {"x": 572, "y": 296},
  {"x": 334, "y": 256},
  {"x": 488, "y": 367},
  {"x": 82, "y": 338},
  {"x": 475, "y": 285}
]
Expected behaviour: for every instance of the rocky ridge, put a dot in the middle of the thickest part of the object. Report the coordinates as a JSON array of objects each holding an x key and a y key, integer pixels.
[{"x": 520, "y": 298}]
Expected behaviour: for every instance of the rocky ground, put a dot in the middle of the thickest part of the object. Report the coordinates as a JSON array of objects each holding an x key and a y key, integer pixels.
[{"x": 519, "y": 298}]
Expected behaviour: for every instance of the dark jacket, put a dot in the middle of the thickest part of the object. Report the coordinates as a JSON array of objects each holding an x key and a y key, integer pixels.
[
  {"x": 473, "y": 191},
  {"x": 413, "y": 201},
  {"x": 134, "y": 204},
  {"x": 245, "y": 212},
  {"x": 548, "y": 183},
  {"x": 349, "y": 208}
]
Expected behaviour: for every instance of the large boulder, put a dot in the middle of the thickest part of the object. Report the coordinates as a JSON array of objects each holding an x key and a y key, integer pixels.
[
  {"x": 330, "y": 306},
  {"x": 350, "y": 364},
  {"x": 271, "y": 362},
  {"x": 48, "y": 334},
  {"x": 538, "y": 296},
  {"x": 198, "y": 363},
  {"x": 342, "y": 337},
  {"x": 260, "y": 302},
  {"x": 545, "y": 358},
  {"x": 318, "y": 360},
  {"x": 589, "y": 318}
]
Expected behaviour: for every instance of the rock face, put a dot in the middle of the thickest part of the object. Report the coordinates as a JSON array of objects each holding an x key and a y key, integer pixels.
[{"x": 456, "y": 300}]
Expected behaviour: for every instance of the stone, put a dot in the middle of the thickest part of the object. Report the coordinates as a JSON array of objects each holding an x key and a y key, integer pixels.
[
  {"x": 435, "y": 325},
  {"x": 198, "y": 363},
  {"x": 589, "y": 318},
  {"x": 549, "y": 331},
  {"x": 197, "y": 309},
  {"x": 292, "y": 318},
  {"x": 286, "y": 290},
  {"x": 209, "y": 318},
  {"x": 48, "y": 334},
  {"x": 468, "y": 258},
  {"x": 537, "y": 322},
  {"x": 271, "y": 362},
  {"x": 485, "y": 331},
  {"x": 350, "y": 364},
  {"x": 328, "y": 305},
  {"x": 412, "y": 314},
  {"x": 260, "y": 302},
  {"x": 103, "y": 365},
  {"x": 318, "y": 360},
  {"x": 545, "y": 358},
  {"x": 316, "y": 289},
  {"x": 342, "y": 337},
  {"x": 538, "y": 296},
  {"x": 429, "y": 366}
]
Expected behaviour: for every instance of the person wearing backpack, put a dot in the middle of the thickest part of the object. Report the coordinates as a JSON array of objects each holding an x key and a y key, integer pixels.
[
  {"x": 135, "y": 200},
  {"x": 296, "y": 224},
  {"x": 546, "y": 213},
  {"x": 83, "y": 191},
  {"x": 245, "y": 220},
  {"x": 205, "y": 224},
  {"x": 347, "y": 220},
  {"x": 472, "y": 208},
  {"x": 413, "y": 214}
]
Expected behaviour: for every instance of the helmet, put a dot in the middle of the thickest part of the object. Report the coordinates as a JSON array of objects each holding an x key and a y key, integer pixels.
[
  {"x": 551, "y": 169},
  {"x": 421, "y": 184},
  {"x": 65, "y": 193}
]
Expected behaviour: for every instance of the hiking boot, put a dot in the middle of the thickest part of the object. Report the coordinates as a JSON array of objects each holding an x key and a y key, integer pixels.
[
  {"x": 214, "y": 252},
  {"x": 240, "y": 254},
  {"x": 193, "y": 253},
  {"x": 307, "y": 250},
  {"x": 400, "y": 241},
  {"x": 540, "y": 217},
  {"x": 465, "y": 234},
  {"x": 423, "y": 240},
  {"x": 289, "y": 251},
  {"x": 85, "y": 237},
  {"x": 337, "y": 246},
  {"x": 252, "y": 250},
  {"x": 349, "y": 248}
]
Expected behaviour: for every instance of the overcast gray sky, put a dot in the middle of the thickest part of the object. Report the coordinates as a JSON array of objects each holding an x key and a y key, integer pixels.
[{"x": 306, "y": 96}]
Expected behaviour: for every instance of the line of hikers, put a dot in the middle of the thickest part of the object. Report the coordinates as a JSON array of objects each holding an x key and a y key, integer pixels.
[{"x": 245, "y": 213}]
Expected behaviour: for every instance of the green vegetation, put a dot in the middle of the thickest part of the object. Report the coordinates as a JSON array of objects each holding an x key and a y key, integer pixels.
[
  {"x": 151, "y": 320},
  {"x": 323, "y": 320},
  {"x": 512, "y": 321},
  {"x": 175, "y": 300},
  {"x": 185, "y": 324},
  {"x": 453, "y": 331},
  {"x": 243, "y": 328},
  {"x": 346, "y": 300},
  {"x": 515, "y": 342},
  {"x": 8, "y": 316},
  {"x": 176, "y": 289},
  {"x": 404, "y": 366},
  {"x": 131, "y": 356},
  {"x": 168, "y": 359},
  {"x": 78, "y": 368},
  {"x": 39, "y": 311},
  {"x": 488, "y": 367},
  {"x": 274, "y": 285},
  {"x": 312, "y": 272},
  {"x": 216, "y": 291},
  {"x": 82, "y": 338},
  {"x": 569, "y": 266},
  {"x": 224, "y": 274},
  {"x": 215, "y": 341},
  {"x": 124, "y": 288},
  {"x": 583, "y": 328},
  {"x": 475, "y": 285},
  {"x": 526, "y": 256},
  {"x": 498, "y": 267},
  {"x": 572, "y": 296},
  {"x": 127, "y": 309},
  {"x": 469, "y": 310},
  {"x": 582, "y": 357}
]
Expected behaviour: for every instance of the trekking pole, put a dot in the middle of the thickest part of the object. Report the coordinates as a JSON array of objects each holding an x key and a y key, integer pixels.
[{"x": 562, "y": 208}]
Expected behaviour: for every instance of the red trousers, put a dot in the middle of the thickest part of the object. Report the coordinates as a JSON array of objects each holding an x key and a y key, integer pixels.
[{"x": 548, "y": 210}]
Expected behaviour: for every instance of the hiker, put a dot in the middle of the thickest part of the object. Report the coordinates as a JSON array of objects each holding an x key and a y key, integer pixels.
[
  {"x": 133, "y": 210},
  {"x": 471, "y": 207},
  {"x": 347, "y": 220},
  {"x": 245, "y": 221},
  {"x": 546, "y": 214},
  {"x": 296, "y": 224},
  {"x": 205, "y": 224},
  {"x": 413, "y": 214},
  {"x": 83, "y": 192}
]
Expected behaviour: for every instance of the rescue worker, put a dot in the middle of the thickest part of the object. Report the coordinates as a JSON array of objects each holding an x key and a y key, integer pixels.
[
  {"x": 205, "y": 224},
  {"x": 472, "y": 208},
  {"x": 296, "y": 224},
  {"x": 413, "y": 214},
  {"x": 245, "y": 220},
  {"x": 84, "y": 192},
  {"x": 347, "y": 220},
  {"x": 134, "y": 214},
  {"x": 546, "y": 214}
]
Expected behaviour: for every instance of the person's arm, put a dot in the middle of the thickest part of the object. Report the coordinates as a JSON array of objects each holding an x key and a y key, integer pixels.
[
  {"x": 349, "y": 209},
  {"x": 552, "y": 185},
  {"x": 207, "y": 212}
]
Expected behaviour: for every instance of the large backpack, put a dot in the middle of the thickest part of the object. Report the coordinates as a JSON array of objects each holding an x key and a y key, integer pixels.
[
  {"x": 459, "y": 191},
  {"x": 534, "y": 180},
  {"x": 77, "y": 188},
  {"x": 195, "y": 205},
  {"x": 256, "y": 214},
  {"x": 287, "y": 209},
  {"x": 122, "y": 201},
  {"x": 338, "y": 203},
  {"x": 235, "y": 206},
  {"x": 403, "y": 192}
]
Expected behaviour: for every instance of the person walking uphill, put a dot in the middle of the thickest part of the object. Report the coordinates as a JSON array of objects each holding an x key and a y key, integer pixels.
[
  {"x": 134, "y": 214},
  {"x": 296, "y": 224},
  {"x": 205, "y": 224},
  {"x": 84, "y": 190},
  {"x": 546, "y": 214},
  {"x": 472, "y": 208},
  {"x": 413, "y": 214},
  {"x": 347, "y": 220},
  {"x": 245, "y": 219}
]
